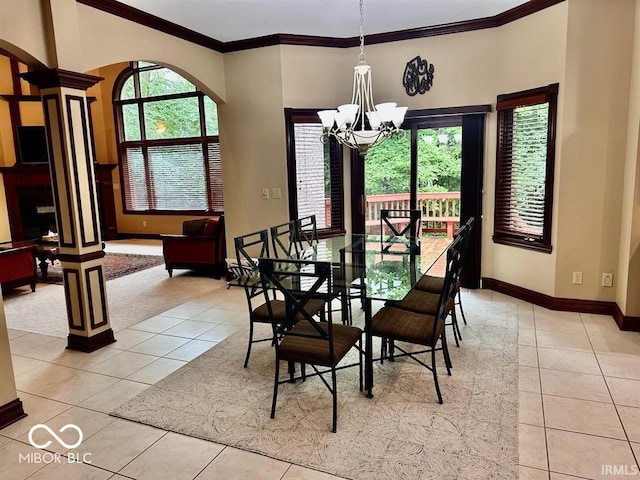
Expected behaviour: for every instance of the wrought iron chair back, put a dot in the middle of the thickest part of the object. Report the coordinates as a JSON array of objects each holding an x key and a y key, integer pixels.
[
  {"x": 299, "y": 281},
  {"x": 284, "y": 238},
  {"x": 307, "y": 232},
  {"x": 247, "y": 264},
  {"x": 400, "y": 224}
]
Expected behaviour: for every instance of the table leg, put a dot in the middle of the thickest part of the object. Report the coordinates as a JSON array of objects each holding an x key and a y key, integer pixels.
[{"x": 368, "y": 349}]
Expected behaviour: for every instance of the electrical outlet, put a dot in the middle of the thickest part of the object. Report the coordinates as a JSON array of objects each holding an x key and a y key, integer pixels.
[
  {"x": 577, "y": 278},
  {"x": 275, "y": 193},
  {"x": 607, "y": 279},
  {"x": 144, "y": 223},
  {"x": 265, "y": 194}
]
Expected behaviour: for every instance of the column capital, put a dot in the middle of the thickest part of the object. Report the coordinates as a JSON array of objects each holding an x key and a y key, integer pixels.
[{"x": 56, "y": 77}]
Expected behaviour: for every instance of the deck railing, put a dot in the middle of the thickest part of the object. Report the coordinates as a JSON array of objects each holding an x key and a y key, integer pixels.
[{"x": 440, "y": 211}]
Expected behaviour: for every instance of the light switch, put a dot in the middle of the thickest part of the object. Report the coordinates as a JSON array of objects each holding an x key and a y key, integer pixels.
[
  {"x": 275, "y": 193},
  {"x": 265, "y": 194}
]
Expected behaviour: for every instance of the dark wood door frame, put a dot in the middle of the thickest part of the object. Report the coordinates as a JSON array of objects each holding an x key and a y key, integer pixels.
[{"x": 472, "y": 120}]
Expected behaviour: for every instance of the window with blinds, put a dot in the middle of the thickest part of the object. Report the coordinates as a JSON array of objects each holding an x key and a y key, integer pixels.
[
  {"x": 524, "y": 168},
  {"x": 315, "y": 173},
  {"x": 168, "y": 143}
]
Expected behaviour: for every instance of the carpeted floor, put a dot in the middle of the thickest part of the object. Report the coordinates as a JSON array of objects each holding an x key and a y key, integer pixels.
[
  {"x": 402, "y": 433},
  {"x": 115, "y": 265},
  {"x": 132, "y": 299}
]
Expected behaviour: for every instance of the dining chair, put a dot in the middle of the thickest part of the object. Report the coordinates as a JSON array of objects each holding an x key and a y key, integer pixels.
[
  {"x": 394, "y": 324},
  {"x": 422, "y": 301},
  {"x": 299, "y": 338},
  {"x": 272, "y": 309},
  {"x": 284, "y": 238},
  {"x": 307, "y": 232},
  {"x": 400, "y": 225},
  {"x": 433, "y": 284}
]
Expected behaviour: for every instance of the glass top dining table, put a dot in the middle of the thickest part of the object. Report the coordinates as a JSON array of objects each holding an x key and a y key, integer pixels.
[{"x": 381, "y": 268}]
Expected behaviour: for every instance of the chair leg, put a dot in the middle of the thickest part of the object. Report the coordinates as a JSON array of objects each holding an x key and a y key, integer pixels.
[
  {"x": 246, "y": 360},
  {"x": 445, "y": 352},
  {"x": 383, "y": 349},
  {"x": 391, "y": 350},
  {"x": 275, "y": 388},
  {"x": 303, "y": 370},
  {"x": 435, "y": 373},
  {"x": 360, "y": 364},
  {"x": 464, "y": 319},
  {"x": 455, "y": 321},
  {"x": 452, "y": 313},
  {"x": 335, "y": 399},
  {"x": 292, "y": 372}
]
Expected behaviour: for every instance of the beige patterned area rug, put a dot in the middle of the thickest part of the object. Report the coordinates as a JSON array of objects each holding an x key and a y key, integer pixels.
[{"x": 402, "y": 433}]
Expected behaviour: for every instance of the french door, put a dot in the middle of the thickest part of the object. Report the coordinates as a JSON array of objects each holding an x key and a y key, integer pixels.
[{"x": 436, "y": 166}]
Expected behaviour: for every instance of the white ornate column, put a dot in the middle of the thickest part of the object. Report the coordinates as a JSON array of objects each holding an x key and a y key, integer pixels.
[
  {"x": 11, "y": 409},
  {"x": 74, "y": 192}
]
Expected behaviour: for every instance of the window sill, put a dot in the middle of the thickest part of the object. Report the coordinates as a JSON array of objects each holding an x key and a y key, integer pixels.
[
  {"x": 184, "y": 213},
  {"x": 519, "y": 243}
]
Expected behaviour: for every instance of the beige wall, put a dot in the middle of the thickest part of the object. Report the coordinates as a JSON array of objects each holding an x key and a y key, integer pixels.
[
  {"x": 129, "y": 41},
  {"x": 592, "y": 149},
  {"x": 23, "y": 36},
  {"x": 252, "y": 141},
  {"x": 526, "y": 60},
  {"x": 628, "y": 278}
]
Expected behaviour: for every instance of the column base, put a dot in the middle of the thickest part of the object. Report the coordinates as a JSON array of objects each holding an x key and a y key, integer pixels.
[
  {"x": 11, "y": 412},
  {"x": 90, "y": 344}
]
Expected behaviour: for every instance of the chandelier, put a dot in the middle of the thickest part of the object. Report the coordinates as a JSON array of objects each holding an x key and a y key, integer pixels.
[{"x": 361, "y": 124}]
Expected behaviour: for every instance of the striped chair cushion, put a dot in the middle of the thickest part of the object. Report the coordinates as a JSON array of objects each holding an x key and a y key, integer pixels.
[
  {"x": 406, "y": 326},
  {"x": 315, "y": 351},
  {"x": 261, "y": 313}
]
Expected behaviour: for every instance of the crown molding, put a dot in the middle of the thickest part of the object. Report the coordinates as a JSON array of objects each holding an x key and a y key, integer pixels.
[
  {"x": 138, "y": 16},
  {"x": 143, "y": 18}
]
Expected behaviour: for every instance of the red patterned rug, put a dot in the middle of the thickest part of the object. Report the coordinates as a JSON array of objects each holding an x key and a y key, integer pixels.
[{"x": 115, "y": 265}]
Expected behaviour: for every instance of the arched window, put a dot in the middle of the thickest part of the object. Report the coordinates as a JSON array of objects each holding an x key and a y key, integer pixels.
[{"x": 168, "y": 145}]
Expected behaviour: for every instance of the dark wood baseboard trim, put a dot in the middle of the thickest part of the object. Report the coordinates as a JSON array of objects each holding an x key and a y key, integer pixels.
[
  {"x": 628, "y": 323},
  {"x": 564, "y": 304},
  {"x": 90, "y": 344},
  {"x": 11, "y": 412},
  {"x": 147, "y": 236}
]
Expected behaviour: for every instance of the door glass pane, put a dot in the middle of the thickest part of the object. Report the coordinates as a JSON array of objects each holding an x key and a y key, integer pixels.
[
  {"x": 313, "y": 179},
  {"x": 387, "y": 178},
  {"x": 439, "y": 167}
]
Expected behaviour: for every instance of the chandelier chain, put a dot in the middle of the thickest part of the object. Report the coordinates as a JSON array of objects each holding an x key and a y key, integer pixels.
[{"x": 361, "y": 56}]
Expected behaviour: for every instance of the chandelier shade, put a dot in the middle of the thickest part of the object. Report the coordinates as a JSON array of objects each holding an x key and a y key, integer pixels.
[{"x": 362, "y": 124}]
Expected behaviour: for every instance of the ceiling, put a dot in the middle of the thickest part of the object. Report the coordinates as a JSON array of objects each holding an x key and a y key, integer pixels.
[{"x": 230, "y": 20}]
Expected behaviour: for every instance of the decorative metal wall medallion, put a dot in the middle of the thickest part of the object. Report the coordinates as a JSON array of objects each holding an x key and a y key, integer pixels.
[{"x": 418, "y": 76}]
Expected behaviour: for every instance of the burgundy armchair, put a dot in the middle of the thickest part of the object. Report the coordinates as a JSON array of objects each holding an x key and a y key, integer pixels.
[
  {"x": 18, "y": 267},
  {"x": 200, "y": 247}
]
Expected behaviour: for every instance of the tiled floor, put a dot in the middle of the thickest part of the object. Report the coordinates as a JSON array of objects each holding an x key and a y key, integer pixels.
[
  {"x": 579, "y": 396},
  {"x": 579, "y": 399}
]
